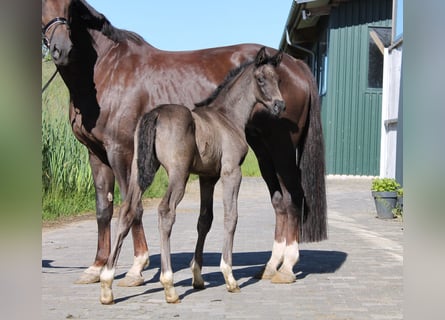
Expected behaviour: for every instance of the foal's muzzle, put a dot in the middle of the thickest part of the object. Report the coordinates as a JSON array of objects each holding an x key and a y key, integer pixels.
[{"x": 278, "y": 107}]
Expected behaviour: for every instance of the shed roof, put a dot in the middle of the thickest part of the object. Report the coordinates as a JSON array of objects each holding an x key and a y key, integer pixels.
[{"x": 305, "y": 21}]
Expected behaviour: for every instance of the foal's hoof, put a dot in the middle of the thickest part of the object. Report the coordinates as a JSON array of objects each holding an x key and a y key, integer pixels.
[
  {"x": 234, "y": 290},
  {"x": 198, "y": 285},
  {"x": 173, "y": 299},
  {"x": 266, "y": 273},
  {"x": 106, "y": 295},
  {"x": 87, "y": 278},
  {"x": 283, "y": 277},
  {"x": 131, "y": 281}
]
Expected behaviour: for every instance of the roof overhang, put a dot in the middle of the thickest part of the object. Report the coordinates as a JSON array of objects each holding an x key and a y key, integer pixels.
[{"x": 307, "y": 18}]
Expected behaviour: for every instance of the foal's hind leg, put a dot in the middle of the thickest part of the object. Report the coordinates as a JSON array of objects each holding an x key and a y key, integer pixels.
[
  {"x": 141, "y": 258},
  {"x": 231, "y": 181},
  {"x": 127, "y": 214},
  {"x": 167, "y": 215},
  {"x": 207, "y": 188}
]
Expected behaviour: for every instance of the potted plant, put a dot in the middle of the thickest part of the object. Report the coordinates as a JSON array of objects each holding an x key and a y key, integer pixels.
[
  {"x": 398, "y": 211},
  {"x": 384, "y": 191}
]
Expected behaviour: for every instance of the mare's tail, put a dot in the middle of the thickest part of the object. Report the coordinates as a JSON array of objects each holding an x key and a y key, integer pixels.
[
  {"x": 145, "y": 153},
  {"x": 312, "y": 165}
]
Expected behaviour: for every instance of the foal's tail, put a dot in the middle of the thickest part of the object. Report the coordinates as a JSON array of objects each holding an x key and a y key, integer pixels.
[
  {"x": 145, "y": 153},
  {"x": 312, "y": 165}
]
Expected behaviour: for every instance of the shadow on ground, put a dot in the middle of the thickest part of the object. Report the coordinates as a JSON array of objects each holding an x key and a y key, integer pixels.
[{"x": 245, "y": 265}]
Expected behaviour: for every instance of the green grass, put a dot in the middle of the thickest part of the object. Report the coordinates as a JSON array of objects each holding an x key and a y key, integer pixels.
[{"x": 67, "y": 184}]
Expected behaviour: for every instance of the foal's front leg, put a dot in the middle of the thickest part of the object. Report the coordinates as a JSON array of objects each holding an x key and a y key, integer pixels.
[
  {"x": 207, "y": 188},
  {"x": 231, "y": 181}
]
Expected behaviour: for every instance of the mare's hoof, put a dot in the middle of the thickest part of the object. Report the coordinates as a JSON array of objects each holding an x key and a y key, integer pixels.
[
  {"x": 131, "y": 281},
  {"x": 283, "y": 277},
  {"x": 266, "y": 274},
  {"x": 87, "y": 278}
]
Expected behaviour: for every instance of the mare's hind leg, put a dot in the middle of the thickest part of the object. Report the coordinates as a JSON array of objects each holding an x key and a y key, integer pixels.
[
  {"x": 278, "y": 160},
  {"x": 166, "y": 219},
  {"x": 207, "y": 188},
  {"x": 287, "y": 249},
  {"x": 104, "y": 185},
  {"x": 290, "y": 203}
]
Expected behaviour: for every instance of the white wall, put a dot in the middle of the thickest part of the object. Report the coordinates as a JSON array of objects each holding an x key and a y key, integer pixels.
[{"x": 392, "y": 62}]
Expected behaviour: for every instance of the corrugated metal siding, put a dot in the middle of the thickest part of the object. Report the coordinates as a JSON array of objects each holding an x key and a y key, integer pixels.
[{"x": 351, "y": 111}]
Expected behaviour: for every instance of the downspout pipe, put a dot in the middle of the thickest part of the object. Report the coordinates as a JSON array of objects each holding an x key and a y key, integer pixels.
[{"x": 298, "y": 47}]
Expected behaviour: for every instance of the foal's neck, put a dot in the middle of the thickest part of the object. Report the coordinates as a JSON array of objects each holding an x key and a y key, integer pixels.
[{"x": 237, "y": 100}]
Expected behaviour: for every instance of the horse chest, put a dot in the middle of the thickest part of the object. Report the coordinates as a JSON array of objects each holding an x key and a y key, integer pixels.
[{"x": 84, "y": 131}]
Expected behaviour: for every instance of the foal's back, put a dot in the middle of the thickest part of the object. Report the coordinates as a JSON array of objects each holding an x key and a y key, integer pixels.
[{"x": 198, "y": 141}]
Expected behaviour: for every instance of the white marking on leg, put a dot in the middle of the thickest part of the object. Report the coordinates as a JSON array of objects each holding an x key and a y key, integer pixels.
[
  {"x": 291, "y": 256},
  {"x": 110, "y": 197},
  {"x": 277, "y": 255},
  {"x": 107, "y": 275},
  {"x": 139, "y": 263},
  {"x": 166, "y": 279},
  {"x": 197, "y": 280},
  {"x": 93, "y": 270},
  {"x": 106, "y": 281},
  {"x": 226, "y": 270}
]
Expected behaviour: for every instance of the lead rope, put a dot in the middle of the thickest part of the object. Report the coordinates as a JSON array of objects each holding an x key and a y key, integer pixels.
[{"x": 49, "y": 81}]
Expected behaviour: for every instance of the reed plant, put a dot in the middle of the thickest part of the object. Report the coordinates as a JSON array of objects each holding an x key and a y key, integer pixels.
[{"x": 67, "y": 183}]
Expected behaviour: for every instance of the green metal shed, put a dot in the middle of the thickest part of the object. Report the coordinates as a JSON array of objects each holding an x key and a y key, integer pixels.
[{"x": 345, "y": 41}]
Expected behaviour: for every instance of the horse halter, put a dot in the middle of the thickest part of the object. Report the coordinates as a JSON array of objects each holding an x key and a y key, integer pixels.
[{"x": 52, "y": 24}]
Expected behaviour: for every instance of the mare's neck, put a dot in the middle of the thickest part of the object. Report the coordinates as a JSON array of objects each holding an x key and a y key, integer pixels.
[{"x": 88, "y": 50}]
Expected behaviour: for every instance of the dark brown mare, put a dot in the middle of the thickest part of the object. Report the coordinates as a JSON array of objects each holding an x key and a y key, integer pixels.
[
  {"x": 208, "y": 141},
  {"x": 114, "y": 77}
]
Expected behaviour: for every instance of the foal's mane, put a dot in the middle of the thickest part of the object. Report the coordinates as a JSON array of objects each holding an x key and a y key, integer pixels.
[
  {"x": 234, "y": 73},
  {"x": 229, "y": 77},
  {"x": 82, "y": 14}
]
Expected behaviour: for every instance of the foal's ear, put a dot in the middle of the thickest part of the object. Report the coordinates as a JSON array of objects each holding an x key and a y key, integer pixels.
[
  {"x": 261, "y": 57},
  {"x": 276, "y": 59}
]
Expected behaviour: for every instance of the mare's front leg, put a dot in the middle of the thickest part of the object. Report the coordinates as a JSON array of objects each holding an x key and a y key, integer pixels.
[
  {"x": 104, "y": 185},
  {"x": 231, "y": 181},
  {"x": 207, "y": 188},
  {"x": 129, "y": 212}
]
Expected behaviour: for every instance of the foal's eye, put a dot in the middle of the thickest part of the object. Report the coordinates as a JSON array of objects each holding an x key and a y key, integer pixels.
[{"x": 260, "y": 80}]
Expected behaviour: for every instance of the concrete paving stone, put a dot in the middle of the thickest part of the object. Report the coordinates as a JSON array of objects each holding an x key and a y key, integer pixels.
[{"x": 356, "y": 274}]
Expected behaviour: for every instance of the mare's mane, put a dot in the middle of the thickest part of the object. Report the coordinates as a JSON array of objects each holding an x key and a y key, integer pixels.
[{"x": 82, "y": 14}]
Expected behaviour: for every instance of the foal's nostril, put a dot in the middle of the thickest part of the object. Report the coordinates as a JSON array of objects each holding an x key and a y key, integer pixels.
[{"x": 279, "y": 106}]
